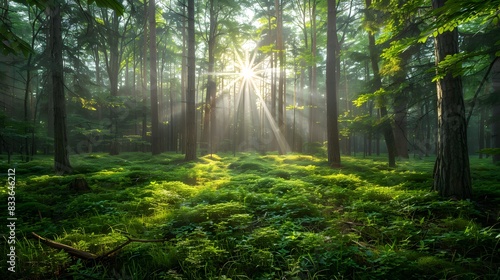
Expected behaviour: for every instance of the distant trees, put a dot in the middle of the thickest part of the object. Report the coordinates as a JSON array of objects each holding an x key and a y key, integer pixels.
[
  {"x": 220, "y": 22},
  {"x": 385, "y": 120},
  {"x": 138, "y": 82}
]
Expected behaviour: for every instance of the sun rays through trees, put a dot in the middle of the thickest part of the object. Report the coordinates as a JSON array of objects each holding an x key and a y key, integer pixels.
[{"x": 217, "y": 128}]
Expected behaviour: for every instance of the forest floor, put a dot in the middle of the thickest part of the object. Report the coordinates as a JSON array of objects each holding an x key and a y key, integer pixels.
[{"x": 251, "y": 217}]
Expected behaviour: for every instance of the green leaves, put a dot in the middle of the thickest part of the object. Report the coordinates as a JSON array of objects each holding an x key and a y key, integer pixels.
[
  {"x": 12, "y": 44},
  {"x": 112, "y": 4},
  {"x": 363, "y": 98},
  {"x": 484, "y": 14}
]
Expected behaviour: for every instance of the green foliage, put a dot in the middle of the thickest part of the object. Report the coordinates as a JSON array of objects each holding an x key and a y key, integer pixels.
[
  {"x": 13, "y": 44},
  {"x": 257, "y": 217}
]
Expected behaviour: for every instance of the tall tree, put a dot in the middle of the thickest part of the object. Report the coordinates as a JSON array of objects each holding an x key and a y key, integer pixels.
[
  {"x": 213, "y": 33},
  {"x": 451, "y": 170},
  {"x": 331, "y": 86},
  {"x": 381, "y": 100},
  {"x": 153, "y": 78},
  {"x": 313, "y": 81},
  {"x": 190, "y": 94},
  {"x": 219, "y": 23},
  {"x": 112, "y": 59},
  {"x": 280, "y": 48},
  {"x": 61, "y": 156},
  {"x": 495, "y": 96}
]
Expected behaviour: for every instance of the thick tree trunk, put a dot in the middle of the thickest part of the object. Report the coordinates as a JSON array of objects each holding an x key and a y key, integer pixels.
[
  {"x": 191, "y": 94},
  {"x": 61, "y": 156},
  {"x": 153, "y": 79},
  {"x": 331, "y": 86},
  {"x": 451, "y": 170}
]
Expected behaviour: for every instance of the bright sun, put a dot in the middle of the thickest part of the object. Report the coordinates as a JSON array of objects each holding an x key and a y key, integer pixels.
[{"x": 247, "y": 72}]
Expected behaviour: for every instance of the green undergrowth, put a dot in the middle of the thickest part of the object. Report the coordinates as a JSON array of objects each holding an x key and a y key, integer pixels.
[{"x": 253, "y": 217}]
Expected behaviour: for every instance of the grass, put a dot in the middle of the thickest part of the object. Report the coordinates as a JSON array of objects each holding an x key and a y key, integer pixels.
[{"x": 254, "y": 217}]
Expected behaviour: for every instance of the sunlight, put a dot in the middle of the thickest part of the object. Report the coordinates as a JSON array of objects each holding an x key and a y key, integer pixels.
[
  {"x": 256, "y": 127},
  {"x": 247, "y": 73}
]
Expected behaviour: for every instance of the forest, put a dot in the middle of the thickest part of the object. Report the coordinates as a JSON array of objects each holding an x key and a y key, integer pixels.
[{"x": 273, "y": 139}]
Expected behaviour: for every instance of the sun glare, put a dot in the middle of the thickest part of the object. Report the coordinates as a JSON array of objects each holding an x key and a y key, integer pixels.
[
  {"x": 251, "y": 76},
  {"x": 247, "y": 72}
]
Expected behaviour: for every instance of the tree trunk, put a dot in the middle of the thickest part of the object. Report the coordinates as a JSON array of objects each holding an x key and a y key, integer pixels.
[
  {"x": 184, "y": 74},
  {"x": 401, "y": 106},
  {"x": 113, "y": 67},
  {"x": 191, "y": 94},
  {"x": 313, "y": 83},
  {"x": 400, "y": 124},
  {"x": 27, "y": 100},
  {"x": 209, "y": 117},
  {"x": 482, "y": 119},
  {"x": 377, "y": 84},
  {"x": 144, "y": 78},
  {"x": 331, "y": 86},
  {"x": 61, "y": 156},
  {"x": 451, "y": 170},
  {"x": 495, "y": 127},
  {"x": 282, "y": 75},
  {"x": 153, "y": 79}
]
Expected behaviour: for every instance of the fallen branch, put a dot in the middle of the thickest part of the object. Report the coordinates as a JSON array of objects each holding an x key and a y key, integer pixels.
[
  {"x": 68, "y": 249},
  {"x": 86, "y": 255}
]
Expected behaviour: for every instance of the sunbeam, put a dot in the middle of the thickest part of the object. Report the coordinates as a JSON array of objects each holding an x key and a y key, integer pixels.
[{"x": 252, "y": 117}]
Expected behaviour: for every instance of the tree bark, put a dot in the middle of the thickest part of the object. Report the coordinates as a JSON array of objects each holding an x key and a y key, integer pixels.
[
  {"x": 495, "y": 127},
  {"x": 282, "y": 74},
  {"x": 112, "y": 68},
  {"x": 451, "y": 170},
  {"x": 153, "y": 79},
  {"x": 144, "y": 77},
  {"x": 400, "y": 124},
  {"x": 331, "y": 86},
  {"x": 61, "y": 156},
  {"x": 209, "y": 117},
  {"x": 482, "y": 119},
  {"x": 313, "y": 83},
  {"x": 191, "y": 94},
  {"x": 184, "y": 74}
]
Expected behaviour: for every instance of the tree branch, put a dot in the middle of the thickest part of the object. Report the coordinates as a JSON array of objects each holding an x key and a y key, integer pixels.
[{"x": 86, "y": 255}]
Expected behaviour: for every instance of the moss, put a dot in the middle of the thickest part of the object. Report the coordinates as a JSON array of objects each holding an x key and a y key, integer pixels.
[{"x": 259, "y": 217}]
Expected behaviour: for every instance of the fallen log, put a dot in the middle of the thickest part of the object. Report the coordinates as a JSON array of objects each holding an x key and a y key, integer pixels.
[{"x": 86, "y": 255}]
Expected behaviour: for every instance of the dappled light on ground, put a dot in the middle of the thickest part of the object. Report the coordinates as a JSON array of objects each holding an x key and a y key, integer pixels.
[{"x": 258, "y": 217}]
